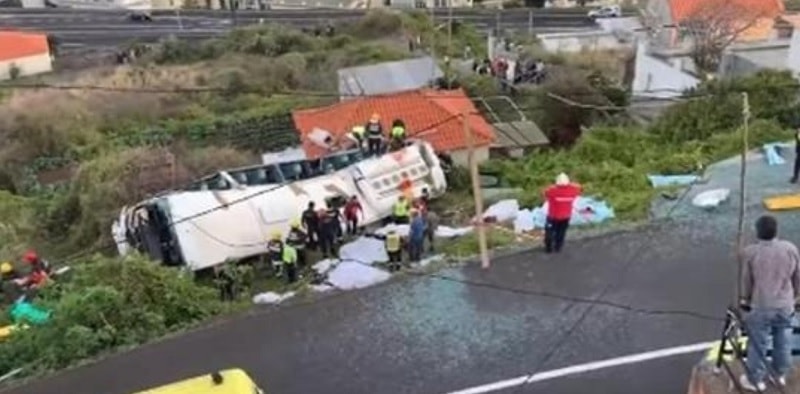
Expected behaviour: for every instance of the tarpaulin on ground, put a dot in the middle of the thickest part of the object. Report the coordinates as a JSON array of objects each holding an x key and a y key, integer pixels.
[
  {"x": 586, "y": 210},
  {"x": 441, "y": 231},
  {"x": 672, "y": 180},
  {"x": 772, "y": 152},
  {"x": 711, "y": 198}
]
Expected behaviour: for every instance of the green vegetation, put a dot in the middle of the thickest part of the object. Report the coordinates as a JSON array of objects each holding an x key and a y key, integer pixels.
[
  {"x": 612, "y": 162},
  {"x": 105, "y": 305}
]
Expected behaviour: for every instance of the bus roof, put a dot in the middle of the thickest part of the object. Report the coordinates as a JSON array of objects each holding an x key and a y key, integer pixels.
[{"x": 234, "y": 381}]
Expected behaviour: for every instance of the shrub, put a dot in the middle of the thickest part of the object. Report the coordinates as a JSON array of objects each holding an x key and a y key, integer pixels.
[{"x": 105, "y": 305}]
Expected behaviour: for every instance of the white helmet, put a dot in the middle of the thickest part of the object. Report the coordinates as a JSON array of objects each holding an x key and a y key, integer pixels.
[{"x": 562, "y": 179}]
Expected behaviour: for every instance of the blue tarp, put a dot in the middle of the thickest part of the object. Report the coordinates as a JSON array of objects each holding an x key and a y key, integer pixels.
[
  {"x": 772, "y": 152},
  {"x": 672, "y": 180},
  {"x": 586, "y": 210}
]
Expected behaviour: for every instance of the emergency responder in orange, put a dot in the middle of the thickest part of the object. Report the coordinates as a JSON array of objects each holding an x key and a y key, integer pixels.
[
  {"x": 374, "y": 135},
  {"x": 275, "y": 251},
  {"x": 297, "y": 239},
  {"x": 32, "y": 258},
  {"x": 351, "y": 212}
]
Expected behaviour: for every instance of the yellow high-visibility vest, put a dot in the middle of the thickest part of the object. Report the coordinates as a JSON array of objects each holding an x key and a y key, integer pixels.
[
  {"x": 289, "y": 255},
  {"x": 401, "y": 208},
  {"x": 393, "y": 242},
  {"x": 358, "y": 131},
  {"x": 398, "y": 132}
]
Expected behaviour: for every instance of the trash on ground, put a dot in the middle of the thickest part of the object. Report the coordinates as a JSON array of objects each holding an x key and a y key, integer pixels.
[
  {"x": 271, "y": 297},
  {"x": 672, "y": 180},
  {"x": 350, "y": 275},
  {"x": 782, "y": 202},
  {"x": 772, "y": 152},
  {"x": 711, "y": 198}
]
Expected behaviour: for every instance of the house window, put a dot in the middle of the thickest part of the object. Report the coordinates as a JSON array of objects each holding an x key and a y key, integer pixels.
[{"x": 376, "y": 185}]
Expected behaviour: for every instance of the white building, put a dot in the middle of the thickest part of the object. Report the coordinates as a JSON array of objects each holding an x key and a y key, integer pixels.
[{"x": 23, "y": 54}]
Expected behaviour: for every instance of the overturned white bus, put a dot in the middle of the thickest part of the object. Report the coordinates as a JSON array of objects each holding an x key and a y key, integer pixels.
[{"x": 229, "y": 215}]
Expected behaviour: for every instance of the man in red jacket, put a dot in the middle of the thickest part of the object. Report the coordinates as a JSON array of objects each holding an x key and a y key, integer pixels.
[
  {"x": 351, "y": 211},
  {"x": 560, "y": 199}
]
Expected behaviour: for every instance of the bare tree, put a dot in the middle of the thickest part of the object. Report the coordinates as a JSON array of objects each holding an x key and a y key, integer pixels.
[{"x": 714, "y": 26}]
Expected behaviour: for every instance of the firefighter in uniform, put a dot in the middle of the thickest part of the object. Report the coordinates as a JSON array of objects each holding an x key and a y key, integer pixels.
[
  {"x": 374, "y": 135},
  {"x": 357, "y": 135},
  {"x": 310, "y": 221},
  {"x": 398, "y": 140},
  {"x": 297, "y": 239},
  {"x": 394, "y": 248},
  {"x": 275, "y": 251},
  {"x": 400, "y": 211},
  {"x": 289, "y": 263}
]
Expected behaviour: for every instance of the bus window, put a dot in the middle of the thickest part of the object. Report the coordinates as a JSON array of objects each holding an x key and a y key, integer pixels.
[
  {"x": 295, "y": 171},
  {"x": 336, "y": 201},
  {"x": 240, "y": 177},
  {"x": 376, "y": 185},
  {"x": 262, "y": 176},
  {"x": 217, "y": 182}
]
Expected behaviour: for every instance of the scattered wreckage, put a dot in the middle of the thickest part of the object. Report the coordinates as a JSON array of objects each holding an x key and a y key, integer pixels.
[{"x": 229, "y": 215}]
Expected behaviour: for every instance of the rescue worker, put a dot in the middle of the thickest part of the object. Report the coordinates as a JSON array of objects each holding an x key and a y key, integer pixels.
[
  {"x": 310, "y": 221},
  {"x": 351, "y": 211},
  {"x": 289, "y": 263},
  {"x": 226, "y": 282},
  {"x": 421, "y": 203},
  {"x": 398, "y": 140},
  {"x": 394, "y": 248},
  {"x": 374, "y": 135},
  {"x": 329, "y": 229},
  {"x": 357, "y": 135},
  {"x": 36, "y": 262},
  {"x": 400, "y": 211},
  {"x": 10, "y": 276},
  {"x": 416, "y": 237},
  {"x": 560, "y": 200},
  {"x": 275, "y": 251},
  {"x": 431, "y": 224},
  {"x": 297, "y": 239}
]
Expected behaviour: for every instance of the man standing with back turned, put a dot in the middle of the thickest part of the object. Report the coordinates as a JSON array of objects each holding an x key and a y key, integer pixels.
[
  {"x": 560, "y": 198},
  {"x": 770, "y": 289}
]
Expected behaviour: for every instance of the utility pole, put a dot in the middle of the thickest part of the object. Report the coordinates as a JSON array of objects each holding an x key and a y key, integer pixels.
[
  {"x": 742, "y": 193},
  {"x": 449, "y": 54},
  {"x": 480, "y": 226},
  {"x": 178, "y": 16},
  {"x": 530, "y": 23}
]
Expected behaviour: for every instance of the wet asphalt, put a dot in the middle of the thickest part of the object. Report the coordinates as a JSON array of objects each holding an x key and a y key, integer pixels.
[{"x": 433, "y": 335}]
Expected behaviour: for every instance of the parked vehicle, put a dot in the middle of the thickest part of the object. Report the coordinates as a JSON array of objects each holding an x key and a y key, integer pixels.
[
  {"x": 231, "y": 381},
  {"x": 229, "y": 215},
  {"x": 612, "y": 11},
  {"x": 140, "y": 16}
]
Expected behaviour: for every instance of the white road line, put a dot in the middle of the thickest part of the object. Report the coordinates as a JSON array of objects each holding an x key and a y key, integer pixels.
[{"x": 583, "y": 368}]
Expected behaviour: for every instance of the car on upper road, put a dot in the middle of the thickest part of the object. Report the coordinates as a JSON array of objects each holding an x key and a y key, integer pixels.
[
  {"x": 140, "y": 16},
  {"x": 612, "y": 11}
]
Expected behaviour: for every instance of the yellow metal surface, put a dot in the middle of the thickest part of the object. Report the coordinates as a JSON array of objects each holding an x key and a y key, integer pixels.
[
  {"x": 234, "y": 381},
  {"x": 713, "y": 354},
  {"x": 782, "y": 203}
]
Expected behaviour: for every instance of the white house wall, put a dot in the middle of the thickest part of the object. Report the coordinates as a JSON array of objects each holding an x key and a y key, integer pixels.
[
  {"x": 793, "y": 59},
  {"x": 29, "y": 65},
  {"x": 577, "y": 42},
  {"x": 658, "y": 79}
]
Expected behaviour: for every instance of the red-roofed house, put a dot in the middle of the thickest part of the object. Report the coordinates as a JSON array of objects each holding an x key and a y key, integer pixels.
[
  {"x": 430, "y": 115},
  {"x": 755, "y": 18},
  {"x": 23, "y": 54}
]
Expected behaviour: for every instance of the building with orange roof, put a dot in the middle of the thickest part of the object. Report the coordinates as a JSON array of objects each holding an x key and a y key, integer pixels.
[
  {"x": 752, "y": 19},
  {"x": 23, "y": 54},
  {"x": 430, "y": 115}
]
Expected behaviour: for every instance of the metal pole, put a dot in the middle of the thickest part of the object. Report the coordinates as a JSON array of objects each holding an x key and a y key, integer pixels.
[
  {"x": 433, "y": 41},
  {"x": 480, "y": 227},
  {"x": 742, "y": 193},
  {"x": 449, "y": 54},
  {"x": 497, "y": 23},
  {"x": 530, "y": 22},
  {"x": 178, "y": 15}
]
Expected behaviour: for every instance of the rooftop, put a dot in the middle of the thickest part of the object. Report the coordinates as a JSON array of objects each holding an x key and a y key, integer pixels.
[
  {"x": 430, "y": 115},
  {"x": 15, "y": 45}
]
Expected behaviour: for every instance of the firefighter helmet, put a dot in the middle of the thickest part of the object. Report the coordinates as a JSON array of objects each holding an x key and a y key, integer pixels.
[
  {"x": 6, "y": 267},
  {"x": 295, "y": 223},
  {"x": 276, "y": 235}
]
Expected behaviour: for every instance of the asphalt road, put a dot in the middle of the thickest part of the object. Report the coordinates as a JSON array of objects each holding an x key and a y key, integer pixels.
[
  {"x": 425, "y": 335},
  {"x": 107, "y": 27}
]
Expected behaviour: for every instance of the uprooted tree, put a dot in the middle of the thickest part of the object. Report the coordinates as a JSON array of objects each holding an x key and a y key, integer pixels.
[{"x": 713, "y": 26}]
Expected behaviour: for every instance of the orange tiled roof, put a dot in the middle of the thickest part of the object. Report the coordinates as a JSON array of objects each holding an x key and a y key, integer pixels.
[
  {"x": 685, "y": 9},
  {"x": 431, "y": 115},
  {"x": 14, "y": 45},
  {"x": 761, "y": 29}
]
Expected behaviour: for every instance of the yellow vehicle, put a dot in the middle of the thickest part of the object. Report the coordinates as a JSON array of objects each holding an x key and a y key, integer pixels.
[{"x": 229, "y": 381}]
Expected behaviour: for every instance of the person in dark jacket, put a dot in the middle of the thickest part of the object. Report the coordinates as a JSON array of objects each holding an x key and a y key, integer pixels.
[
  {"x": 416, "y": 236},
  {"x": 329, "y": 229},
  {"x": 310, "y": 221},
  {"x": 374, "y": 135}
]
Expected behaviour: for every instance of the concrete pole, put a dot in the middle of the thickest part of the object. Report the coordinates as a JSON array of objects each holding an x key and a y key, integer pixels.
[{"x": 480, "y": 227}]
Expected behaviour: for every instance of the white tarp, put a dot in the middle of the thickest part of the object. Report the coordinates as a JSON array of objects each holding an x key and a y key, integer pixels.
[
  {"x": 711, "y": 198},
  {"x": 365, "y": 250},
  {"x": 350, "y": 275},
  {"x": 271, "y": 297},
  {"x": 441, "y": 231}
]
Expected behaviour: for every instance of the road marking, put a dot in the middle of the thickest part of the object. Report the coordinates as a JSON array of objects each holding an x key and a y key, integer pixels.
[{"x": 583, "y": 368}]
